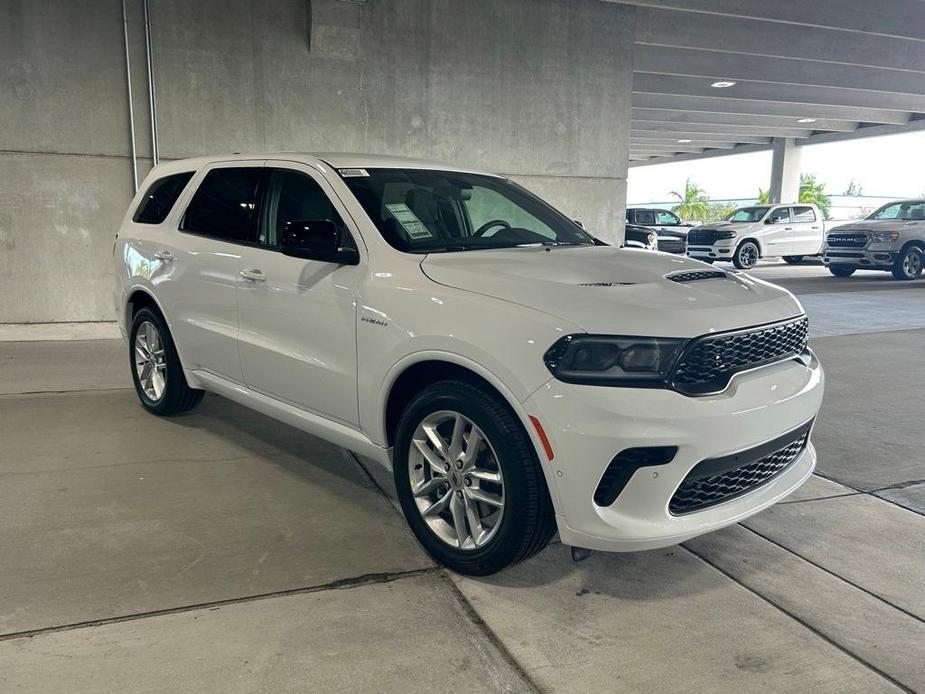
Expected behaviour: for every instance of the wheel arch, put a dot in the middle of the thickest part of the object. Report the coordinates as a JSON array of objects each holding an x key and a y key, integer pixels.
[
  {"x": 755, "y": 241},
  {"x": 413, "y": 374}
]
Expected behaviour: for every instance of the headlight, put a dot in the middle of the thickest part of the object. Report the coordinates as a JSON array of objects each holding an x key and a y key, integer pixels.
[
  {"x": 612, "y": 360},
  {"x": 724, "y": 234},
  {"x": 883, "y": 236}
]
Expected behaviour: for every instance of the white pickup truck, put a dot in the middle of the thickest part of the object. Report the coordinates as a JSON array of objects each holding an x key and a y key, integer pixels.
[{"x": 751, "y": 233}]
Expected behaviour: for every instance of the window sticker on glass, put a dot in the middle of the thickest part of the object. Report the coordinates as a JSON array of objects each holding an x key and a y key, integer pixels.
[
  {"x": 413, "y": 226},
  {"x": 352, "y": 173}
]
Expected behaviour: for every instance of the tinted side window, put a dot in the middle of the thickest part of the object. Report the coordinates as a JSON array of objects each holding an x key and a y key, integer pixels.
[
  {"x": 781, "y": 214},
  {"x": 667, "y": 218},
  {"x": 645, "y": 217},
  {"x": 804, "y": 214},
  {"x": 293, "y": 196},
  {"x": 160, "y": 198},
  {"x": 223, "y": 206}
]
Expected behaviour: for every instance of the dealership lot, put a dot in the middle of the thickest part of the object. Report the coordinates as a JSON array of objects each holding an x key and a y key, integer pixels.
[{"x": 224, "y": 551}]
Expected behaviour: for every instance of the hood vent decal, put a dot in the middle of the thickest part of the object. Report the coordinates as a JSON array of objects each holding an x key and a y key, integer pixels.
[
  {"x": 695, "y": 275},
  {"x": 606, "y": 284}
]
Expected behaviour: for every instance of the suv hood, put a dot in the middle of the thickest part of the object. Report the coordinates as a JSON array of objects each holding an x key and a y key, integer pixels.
[
  {"x": 735, "y": 226},
  {"x": 615, "y": 291}
]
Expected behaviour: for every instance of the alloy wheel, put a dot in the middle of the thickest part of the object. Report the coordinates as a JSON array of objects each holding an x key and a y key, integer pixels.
[
  {"x": 150, "y": 361},
  {"x": 748, "y": 255},
  {"x": 456, "y": 480},
  {"x": 912, "y": 264}
]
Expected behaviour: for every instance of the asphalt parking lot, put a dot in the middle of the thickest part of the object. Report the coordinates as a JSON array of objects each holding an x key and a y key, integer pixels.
[{"x": 224, "y": 551}]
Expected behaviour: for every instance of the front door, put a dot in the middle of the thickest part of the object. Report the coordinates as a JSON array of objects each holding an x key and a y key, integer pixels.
[
  {"x": 297, "y": 317},
  {"x": 777, "y": 234}
]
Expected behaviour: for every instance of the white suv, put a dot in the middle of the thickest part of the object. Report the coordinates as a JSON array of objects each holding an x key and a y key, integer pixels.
[{"x": 519, "y": 376}]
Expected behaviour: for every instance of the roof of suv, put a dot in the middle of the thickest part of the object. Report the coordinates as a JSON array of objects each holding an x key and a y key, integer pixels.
[{"x": 337, "y": 160}]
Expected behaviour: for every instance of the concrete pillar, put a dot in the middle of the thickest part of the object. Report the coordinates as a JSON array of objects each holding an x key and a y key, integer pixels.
[{"x": 785, "y": 171}]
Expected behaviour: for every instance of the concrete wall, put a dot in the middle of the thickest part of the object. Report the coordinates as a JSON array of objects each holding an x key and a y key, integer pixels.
[{"x": 536, "y": 89}]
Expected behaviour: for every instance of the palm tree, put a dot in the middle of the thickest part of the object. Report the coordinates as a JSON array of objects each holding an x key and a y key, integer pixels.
[
  {"x": 812, "y": 192},
  {"x": 693, "y": 203}
]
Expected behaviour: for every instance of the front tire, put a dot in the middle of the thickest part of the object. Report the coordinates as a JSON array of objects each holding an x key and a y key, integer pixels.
[
  {"x": 156, "y": 370},
  {"x": 793, "y": 259},
  {"x": 746, "y": 255},
  {"x": 908, "y": 264},
  {"x": 839, "y": 271},
  {"x": 469, "y": 481}
]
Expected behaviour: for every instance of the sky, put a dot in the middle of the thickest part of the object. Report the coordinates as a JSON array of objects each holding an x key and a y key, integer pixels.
[{"x": 890, "y": 166}]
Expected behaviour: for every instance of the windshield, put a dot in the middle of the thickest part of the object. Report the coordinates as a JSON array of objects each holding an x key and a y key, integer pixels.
[
  {"x": 901, "y": 210},
  {"x": 421, "y": 211},
  {"x": 747, "y": 214}
]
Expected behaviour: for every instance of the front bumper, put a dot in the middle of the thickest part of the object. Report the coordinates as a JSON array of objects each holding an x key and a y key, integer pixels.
[
  {"x": 873, "y": 256},
  {"x": 721, "y": 250},
  {"x": 587, "y": 426}
]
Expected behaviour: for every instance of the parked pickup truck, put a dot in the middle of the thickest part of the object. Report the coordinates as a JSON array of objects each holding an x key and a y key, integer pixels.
[
  {"x": 892, "y": 239},
  {"x": 670, "y": 229},
  {"x": 751, "y": 233}
]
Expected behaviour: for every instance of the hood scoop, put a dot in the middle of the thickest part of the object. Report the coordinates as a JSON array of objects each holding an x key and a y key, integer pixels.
[
  {"x": 696, "y": 275},
  {"x": 606, "y": 284}
]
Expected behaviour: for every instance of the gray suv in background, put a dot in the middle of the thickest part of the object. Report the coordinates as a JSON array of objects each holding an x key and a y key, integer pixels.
[{"x": 891, "y": 239}]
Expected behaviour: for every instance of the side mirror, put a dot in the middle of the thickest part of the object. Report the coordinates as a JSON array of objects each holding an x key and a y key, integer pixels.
[
  {"x": 771, "y": 220},
  {"x": 315, "y": 239}
]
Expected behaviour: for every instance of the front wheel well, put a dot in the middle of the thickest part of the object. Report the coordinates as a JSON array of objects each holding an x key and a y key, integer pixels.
[
  {"x": 417, "y": 377},
  {"x": 918, "y": 243},
  {"x": 754, "y": 241}
]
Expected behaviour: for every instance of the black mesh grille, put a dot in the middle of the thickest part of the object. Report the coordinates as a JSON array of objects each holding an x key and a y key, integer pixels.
[
  {"x": 695, "y": 275},
  {"x": 698, "y": 492},
  {"x": 847, "y": 240},
  {"x": 701, "y": 237},
  {"x": 622, "y": 467},
  {"x": 709, "y": 362}
]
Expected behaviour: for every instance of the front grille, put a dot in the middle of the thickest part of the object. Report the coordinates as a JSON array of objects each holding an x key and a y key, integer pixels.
[
  {"x": 708, "y": 362},
  {"x": 701, "y": 237},
  {"x": 843, "y": 254},
  {"x": 694, "y": 275},
  {"x": 714, "y": 481},
  {"x": 847, "y": 240},
  {"x": 622, "y": 467}
]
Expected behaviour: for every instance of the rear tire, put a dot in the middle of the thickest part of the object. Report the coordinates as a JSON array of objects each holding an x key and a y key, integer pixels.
[
  {"x": 839, "y": 271},
  {"x": 431, "y": 483},
  {"x": 908, "y": 264},
  {"x": 793, "y": 259},
  {"x": 746, "y": 255},
  {"x": 156, "y": 370}
]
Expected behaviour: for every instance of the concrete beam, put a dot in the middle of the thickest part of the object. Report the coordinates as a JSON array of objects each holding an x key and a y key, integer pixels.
[
  {"x": 641, "y": 143},
  {"x": 785, "y": 171},
  {"x": 896, "y": 18},
  {"x": 646, "y": 114},
  {"x": 662, "y": 27},
  {"x": 687, "y": 128},
  {"x": 656, "y": 135},
  {"x": 709, "y": 105},
  {"x": 706, "y": 154},
  {"x": 738, "y": 66},
  {"x": 769, "y": 91}
]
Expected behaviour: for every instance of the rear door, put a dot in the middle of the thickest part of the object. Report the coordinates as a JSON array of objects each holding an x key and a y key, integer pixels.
[
  {"x": 218, "y": 223},
  {"x": 298, "y": 317},
  {"x": 807, "y": 230}
]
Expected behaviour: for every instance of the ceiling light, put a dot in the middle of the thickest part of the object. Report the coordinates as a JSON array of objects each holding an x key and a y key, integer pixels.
[
  {"x": 722, "y": 84},
  {"x": 806, "y": 120},
  {"x": 684, "y": 142}
]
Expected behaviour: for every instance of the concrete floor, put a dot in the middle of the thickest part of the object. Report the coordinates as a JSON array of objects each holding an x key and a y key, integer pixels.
[{"x": 222, "y": 551}]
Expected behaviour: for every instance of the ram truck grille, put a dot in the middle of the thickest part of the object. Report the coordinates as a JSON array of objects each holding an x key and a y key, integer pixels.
[{"x": 847, "y": 240}]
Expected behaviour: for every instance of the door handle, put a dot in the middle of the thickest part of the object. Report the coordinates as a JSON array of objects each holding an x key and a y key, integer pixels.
[
  {"x": 254, "y": 275},
  {"x": 814, "y": 227},
  {"x": 788, "y": 228},
  {"x": 166, "y": 256}
]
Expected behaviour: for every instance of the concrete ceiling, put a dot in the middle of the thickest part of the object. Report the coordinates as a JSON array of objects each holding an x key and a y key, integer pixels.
[{"x": 856, "y": 67}]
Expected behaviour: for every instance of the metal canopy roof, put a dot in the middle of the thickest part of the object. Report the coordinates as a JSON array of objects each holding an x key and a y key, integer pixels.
[{"x": 845, "y": 68}]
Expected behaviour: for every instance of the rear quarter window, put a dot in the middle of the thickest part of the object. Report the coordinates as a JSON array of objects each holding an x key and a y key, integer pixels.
[{"x": 160, "y": 197}]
